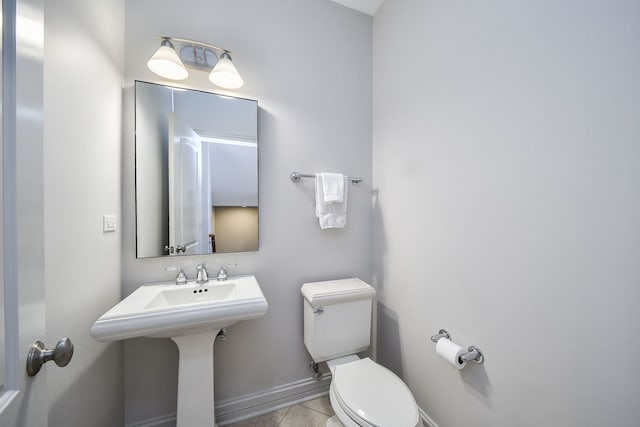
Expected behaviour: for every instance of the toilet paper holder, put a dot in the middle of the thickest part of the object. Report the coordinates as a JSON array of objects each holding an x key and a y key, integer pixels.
[
  {"x": 442, "y": 333},
  {"x": 473, "y": 354}
]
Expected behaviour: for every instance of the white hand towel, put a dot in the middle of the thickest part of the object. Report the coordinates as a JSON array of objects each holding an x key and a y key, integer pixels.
[
  {"x": 333, "y": 187},
  {"x": 330, "y": 215}
]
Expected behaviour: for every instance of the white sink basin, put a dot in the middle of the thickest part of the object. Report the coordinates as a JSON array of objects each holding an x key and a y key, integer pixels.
[
  {"x": 179, "y": 295},
  {"x": 168, "y": 310}
]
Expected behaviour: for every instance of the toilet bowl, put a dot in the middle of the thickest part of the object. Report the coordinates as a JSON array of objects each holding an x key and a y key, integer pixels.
[
  {"x": 366, "y": 394},
  {"x": 362, "y": 392}
]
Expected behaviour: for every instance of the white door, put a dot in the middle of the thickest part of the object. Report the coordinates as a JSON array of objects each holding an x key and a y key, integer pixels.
[
  {"x": 185, "y": 182},
  {"x": 23, "y": 400}
]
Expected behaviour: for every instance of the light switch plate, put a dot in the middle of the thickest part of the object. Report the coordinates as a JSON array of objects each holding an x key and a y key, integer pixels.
[{"x": 109, "y": 223}]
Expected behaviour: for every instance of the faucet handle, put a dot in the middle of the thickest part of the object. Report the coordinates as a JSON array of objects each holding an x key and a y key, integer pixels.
[
  {"x": 181, "y": 278},
  {"x": 222, "y": 273}
]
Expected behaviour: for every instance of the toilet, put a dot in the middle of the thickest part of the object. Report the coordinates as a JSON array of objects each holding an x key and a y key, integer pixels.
[{"x": 337, "y": 325}]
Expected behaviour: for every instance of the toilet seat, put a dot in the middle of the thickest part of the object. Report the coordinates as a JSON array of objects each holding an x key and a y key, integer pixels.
[{"x": 373, "y": 396}]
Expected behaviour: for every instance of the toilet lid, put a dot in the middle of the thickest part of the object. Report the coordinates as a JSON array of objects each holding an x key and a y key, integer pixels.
[{"x": 372, "y": 393}]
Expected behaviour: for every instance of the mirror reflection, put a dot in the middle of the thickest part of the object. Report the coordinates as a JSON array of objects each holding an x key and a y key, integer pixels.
[{"x": 196, "y": 172}]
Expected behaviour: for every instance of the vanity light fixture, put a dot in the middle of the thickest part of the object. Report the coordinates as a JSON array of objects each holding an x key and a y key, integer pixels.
[
  {"x": 172, "y": 63},
  {"x": 166, "y": 62},
  {"x": 224, "y": 74}
]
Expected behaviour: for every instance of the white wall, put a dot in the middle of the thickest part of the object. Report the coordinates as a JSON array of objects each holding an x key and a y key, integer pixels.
[
  {"x": 506, "y": 147},
  {"x": 83, "y": 70},
  {"x": 308, "y": 63}
]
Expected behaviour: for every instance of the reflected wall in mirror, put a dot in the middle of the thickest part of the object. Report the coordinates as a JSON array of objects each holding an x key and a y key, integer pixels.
[{"x": 196, "y": 172}]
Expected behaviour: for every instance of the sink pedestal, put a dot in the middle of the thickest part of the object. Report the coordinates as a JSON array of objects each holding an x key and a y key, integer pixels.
[{"x": 195, "y": 379}]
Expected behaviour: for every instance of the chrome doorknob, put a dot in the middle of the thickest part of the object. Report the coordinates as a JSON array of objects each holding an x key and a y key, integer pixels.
[{"x": 38, "y": 355}]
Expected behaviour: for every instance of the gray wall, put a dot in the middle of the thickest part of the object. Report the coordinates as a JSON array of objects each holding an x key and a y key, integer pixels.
[
  {"x": 83, "y": 71},
  {"x": 308, "y": 63},
  {"x": 506, "y": 147}
]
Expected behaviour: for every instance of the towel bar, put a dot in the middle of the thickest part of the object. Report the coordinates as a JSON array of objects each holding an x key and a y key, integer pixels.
[{"x": 295, "y": 177}]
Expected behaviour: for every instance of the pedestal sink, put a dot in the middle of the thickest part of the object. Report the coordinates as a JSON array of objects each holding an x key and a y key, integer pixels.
[{"x": 192, "y": 316}]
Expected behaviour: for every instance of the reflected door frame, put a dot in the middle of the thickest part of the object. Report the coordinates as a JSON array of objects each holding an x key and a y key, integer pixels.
[{"x": 185, "y": 187}]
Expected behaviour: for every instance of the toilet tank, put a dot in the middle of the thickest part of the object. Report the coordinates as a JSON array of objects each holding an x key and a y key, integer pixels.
[{"x": 337, "y": 317}]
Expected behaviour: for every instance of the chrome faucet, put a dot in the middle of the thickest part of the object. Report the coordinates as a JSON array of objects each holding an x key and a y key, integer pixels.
[
  {"x": 202, "y": 276},
  {"x": 181, "y": 278},
  {"x": 222, "y": 273}
]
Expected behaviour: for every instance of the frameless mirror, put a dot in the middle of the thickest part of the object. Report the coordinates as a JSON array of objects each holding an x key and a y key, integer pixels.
[{"x": 196, "y": 172}]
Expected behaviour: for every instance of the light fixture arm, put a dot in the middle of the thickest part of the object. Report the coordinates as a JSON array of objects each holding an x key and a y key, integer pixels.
[
  {"x": 195, "y": 43},
  {"x": 166, "y": 41}
]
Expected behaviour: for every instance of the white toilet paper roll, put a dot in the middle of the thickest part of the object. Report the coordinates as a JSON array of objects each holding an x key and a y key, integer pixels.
[{"x": 451, "y": 352}]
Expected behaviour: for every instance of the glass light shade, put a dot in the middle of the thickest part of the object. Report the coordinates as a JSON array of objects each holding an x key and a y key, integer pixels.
[
  {"x": 166, "y": 63},
  {"x": 225, "y": 75}
]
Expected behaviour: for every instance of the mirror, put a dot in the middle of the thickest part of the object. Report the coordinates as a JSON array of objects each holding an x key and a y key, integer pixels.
[{"x": 196, "y": 172}]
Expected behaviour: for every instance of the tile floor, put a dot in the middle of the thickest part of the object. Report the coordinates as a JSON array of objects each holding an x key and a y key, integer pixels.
[{"x": 313, "y": 413}]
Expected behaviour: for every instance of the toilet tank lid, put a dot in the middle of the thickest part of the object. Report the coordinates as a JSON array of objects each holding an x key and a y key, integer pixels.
[{"x": 337, "y": 291}]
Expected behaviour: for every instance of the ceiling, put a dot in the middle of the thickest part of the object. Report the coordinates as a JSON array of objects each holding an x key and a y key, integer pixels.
[{"x": 367, "y": 6}]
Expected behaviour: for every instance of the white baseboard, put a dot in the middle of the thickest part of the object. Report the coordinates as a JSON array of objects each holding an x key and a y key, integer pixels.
[
  {"x": 168, "y": 420},
  {"x": 251, "y": 405},
  {"x": 427, "y": 421}
]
